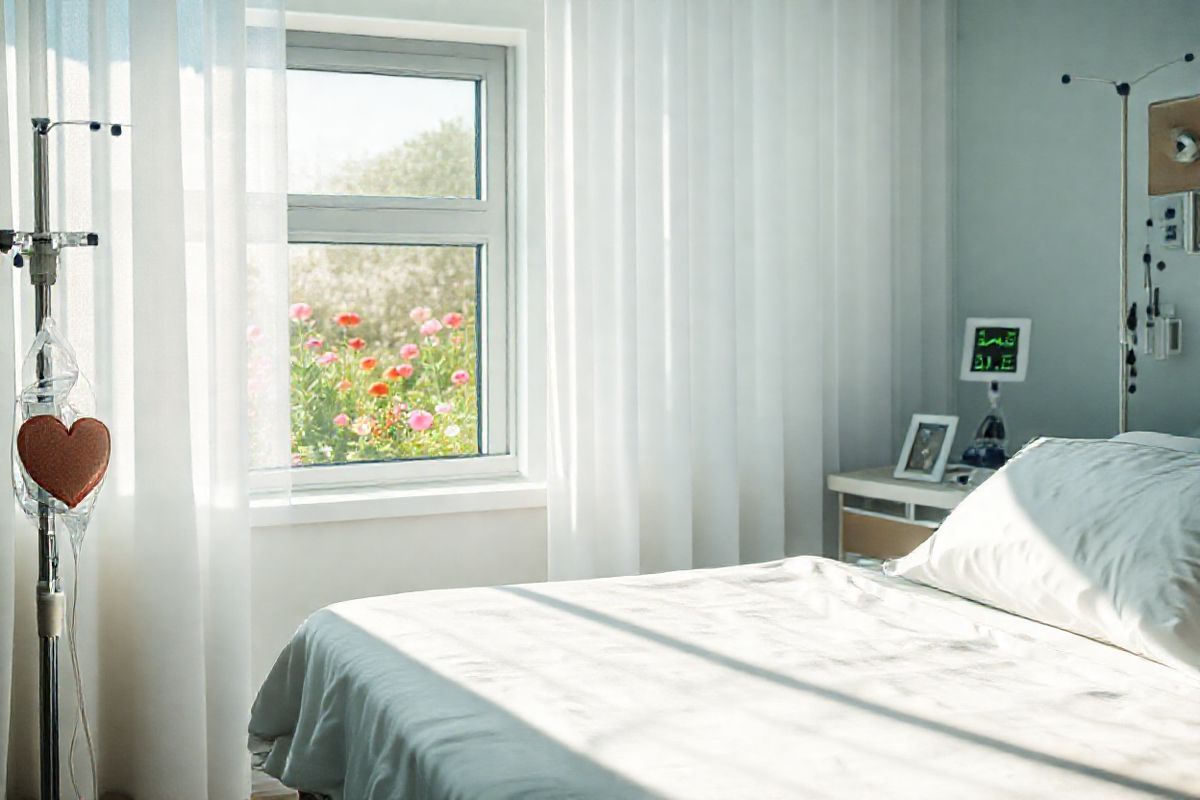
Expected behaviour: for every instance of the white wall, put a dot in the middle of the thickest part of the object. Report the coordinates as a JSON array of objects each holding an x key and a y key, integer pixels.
[
  {"x": 298, "y": 569},
  {"x": 1037, "y": 206}
]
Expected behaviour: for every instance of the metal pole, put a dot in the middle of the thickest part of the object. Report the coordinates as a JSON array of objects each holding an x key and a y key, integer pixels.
[
  {"x": 42, "y": 246},
  {"x": 43, "y": 271},
  {"x": 1125, "y": 338},
  {"x": 1123, "y": 408}
]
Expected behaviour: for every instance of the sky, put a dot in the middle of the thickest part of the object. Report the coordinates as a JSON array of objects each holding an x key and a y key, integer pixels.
[{"x": 335, "y": 116}]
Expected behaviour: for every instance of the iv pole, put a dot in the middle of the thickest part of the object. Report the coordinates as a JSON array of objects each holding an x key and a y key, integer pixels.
[
  {"x": 1127, "y": 355},
  {"x": 43, "y": 271},
  {"x": 43, "y": 247}
]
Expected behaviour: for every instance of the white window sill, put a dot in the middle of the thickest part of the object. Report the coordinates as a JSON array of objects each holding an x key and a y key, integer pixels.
[{"x": 417, "y": 500}]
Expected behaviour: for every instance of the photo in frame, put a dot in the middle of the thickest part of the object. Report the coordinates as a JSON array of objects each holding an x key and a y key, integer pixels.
[{"x": 926, "y": 448}]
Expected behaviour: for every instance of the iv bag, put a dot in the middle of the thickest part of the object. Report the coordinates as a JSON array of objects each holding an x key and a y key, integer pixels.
[{"x": 64, "y": 393}]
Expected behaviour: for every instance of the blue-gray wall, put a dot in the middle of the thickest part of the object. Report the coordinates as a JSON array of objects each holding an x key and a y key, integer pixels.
[{"x": 1037, "y": 214}]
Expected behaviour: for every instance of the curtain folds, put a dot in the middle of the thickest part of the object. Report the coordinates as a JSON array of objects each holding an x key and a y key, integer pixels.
[
  {"x": 748, "y": 278},
  {"x": 158, "y": 315}
]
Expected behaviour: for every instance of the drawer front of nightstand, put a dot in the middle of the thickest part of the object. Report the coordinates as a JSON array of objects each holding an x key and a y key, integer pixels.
[{"x": 876, "y": 537}]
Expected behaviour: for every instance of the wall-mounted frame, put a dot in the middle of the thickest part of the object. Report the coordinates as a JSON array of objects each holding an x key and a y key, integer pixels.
[{"x": 1173, "y": 161}]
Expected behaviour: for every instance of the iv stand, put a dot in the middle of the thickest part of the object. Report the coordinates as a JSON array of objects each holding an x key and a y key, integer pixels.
[
  {"x": 1127, "y": 355},
  {"x": 43, "y": 247}
]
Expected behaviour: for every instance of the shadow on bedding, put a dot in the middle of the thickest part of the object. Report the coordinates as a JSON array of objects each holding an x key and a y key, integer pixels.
[
  {"x": 836, "y": 696},
  {"x": 388, "y": 726}
]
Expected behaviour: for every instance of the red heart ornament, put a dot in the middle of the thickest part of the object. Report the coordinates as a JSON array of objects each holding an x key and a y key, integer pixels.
[{"x": 67, "y": 463}]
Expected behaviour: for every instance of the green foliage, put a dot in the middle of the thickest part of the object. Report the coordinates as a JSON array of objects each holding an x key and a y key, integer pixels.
[{"x": 436, "y": 163}]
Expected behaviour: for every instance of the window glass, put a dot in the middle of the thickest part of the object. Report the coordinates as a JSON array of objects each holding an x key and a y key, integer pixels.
[
  {"x": 384, "y": 352},
  {"x": 353, "y": 133}
]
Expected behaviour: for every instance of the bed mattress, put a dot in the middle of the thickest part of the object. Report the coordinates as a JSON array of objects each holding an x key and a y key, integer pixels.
[{"x": 801, "y": 678}]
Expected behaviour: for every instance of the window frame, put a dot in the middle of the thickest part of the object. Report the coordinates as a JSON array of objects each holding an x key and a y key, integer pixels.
[{"x": 484, "y": 222}]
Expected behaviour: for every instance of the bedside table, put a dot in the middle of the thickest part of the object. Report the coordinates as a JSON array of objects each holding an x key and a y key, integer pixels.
[{"x": 884, "y": 517}]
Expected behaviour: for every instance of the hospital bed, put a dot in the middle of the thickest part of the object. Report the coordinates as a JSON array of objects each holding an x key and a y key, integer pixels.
[{"x": 799, "y": 678}]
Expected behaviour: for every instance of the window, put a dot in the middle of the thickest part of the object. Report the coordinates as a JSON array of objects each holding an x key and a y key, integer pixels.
[{"x": 398, "y": 220}]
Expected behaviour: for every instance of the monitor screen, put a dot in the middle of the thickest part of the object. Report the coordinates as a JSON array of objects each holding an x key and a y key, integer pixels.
[{"x": 995, "y": 350}]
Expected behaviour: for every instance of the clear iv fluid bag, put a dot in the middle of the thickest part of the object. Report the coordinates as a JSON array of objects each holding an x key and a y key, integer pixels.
[{"x": 63, "y": 392}]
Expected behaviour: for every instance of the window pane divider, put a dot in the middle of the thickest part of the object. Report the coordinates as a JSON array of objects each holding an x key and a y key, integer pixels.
[{"x": 457, "y": 205}]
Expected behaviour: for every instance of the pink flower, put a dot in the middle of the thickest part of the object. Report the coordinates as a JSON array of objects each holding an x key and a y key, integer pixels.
[
  {"x": 341, "y": 420},
  {"x": 253, "y": 333},
  {"x": 297, "y": 460},
  {"x": 299, "y": 312},
  {"x": 347, "y": 319},
  {"x": 453, "y": 320},
  {"x": 368, "y": 363},
  {"x": 409, "y": 351},
  {"x": 443, "y": 408},
  {"x": 327, "y": 358},
  {"x": 460, "y": 377},
  {"x": 344, "y": 385},
  {"x": 431, "y": 327},
  {"x": 378, "y": 389},
  {"x": 456, "y": 340},
  {"x": 357, "y": 343},
  {"x": 420, "y": 420},
  {"x": 314, "y": 343},
  {"x": 399, "y": 371},
  {"x": 362, "y": 426},
  {"x": 420, "y": 314}
]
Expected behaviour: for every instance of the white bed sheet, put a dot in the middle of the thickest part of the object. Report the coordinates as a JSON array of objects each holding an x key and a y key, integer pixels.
[{"x": 803, "y": 678}]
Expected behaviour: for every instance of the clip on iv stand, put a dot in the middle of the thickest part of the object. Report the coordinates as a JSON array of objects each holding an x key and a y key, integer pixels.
[
  {"x": 43, "y": 247},
  {"x": 1127, "y": 331}
]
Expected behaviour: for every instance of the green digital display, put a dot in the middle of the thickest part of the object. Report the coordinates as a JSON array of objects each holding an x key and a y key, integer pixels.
[{"x": 995, "y": 350}]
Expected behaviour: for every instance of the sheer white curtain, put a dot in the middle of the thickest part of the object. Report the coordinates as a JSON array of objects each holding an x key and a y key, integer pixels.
[
  {"x": 158, "y": 314},
  {"x": 748, "y": 267}
]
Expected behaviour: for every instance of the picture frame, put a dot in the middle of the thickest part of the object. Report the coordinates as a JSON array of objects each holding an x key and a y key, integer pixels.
[{"x": 926, "y": 448}]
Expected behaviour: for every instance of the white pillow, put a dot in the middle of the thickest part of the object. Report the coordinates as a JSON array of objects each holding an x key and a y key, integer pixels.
[
  {"x": 1151, "y": 439},
  {"x": 1101, "y": 538}
]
